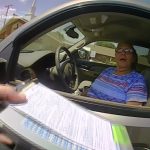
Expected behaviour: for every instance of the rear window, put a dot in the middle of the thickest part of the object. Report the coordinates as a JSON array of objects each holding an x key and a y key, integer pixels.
[{"x": 104, "y": 52}]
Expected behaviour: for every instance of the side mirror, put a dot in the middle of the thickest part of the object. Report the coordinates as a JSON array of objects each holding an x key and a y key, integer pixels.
[{"x": 3, "y": 63}]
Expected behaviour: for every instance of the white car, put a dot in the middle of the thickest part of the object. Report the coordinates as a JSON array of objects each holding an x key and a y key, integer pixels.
[{"x": 68, "y": 47}]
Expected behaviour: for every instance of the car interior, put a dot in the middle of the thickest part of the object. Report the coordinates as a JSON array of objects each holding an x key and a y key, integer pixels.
[
  {"x": 90, "y": 40},
  {"x": 68, "y": 57}
]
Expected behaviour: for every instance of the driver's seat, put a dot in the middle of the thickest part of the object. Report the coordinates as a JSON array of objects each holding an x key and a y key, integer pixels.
[{"x": 146, "y": 74}]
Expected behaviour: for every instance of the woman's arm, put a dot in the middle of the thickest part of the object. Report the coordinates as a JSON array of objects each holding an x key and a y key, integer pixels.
[{"x": 135, "y": 103}]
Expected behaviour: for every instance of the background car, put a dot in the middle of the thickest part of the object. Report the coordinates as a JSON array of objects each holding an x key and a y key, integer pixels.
[{"x": 67, "y": 48}]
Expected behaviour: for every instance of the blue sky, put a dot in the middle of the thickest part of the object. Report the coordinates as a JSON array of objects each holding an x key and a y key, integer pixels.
[{"x": 21, "y": 7}]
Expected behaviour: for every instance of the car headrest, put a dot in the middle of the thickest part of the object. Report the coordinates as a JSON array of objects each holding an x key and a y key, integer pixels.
[{"x": 146, "y": 74}]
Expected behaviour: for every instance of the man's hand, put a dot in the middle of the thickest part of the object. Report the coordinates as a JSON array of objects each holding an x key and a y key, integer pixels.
[
  {"x": 8, "y": 94},
  {"x": 5, "y": 140}
]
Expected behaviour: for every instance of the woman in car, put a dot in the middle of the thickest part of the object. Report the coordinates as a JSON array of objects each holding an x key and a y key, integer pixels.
[{"x": 121, "y": 84}]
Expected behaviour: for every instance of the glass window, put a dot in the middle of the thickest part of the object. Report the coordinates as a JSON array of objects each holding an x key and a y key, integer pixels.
[{"x": 65, "y": 35}]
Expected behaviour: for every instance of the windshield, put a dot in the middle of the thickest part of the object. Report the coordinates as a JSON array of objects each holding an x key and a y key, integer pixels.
[{"x": 65, "y": 35}]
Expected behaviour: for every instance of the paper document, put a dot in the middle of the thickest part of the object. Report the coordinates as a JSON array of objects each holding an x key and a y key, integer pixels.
[{"x": 68, "y": 119}]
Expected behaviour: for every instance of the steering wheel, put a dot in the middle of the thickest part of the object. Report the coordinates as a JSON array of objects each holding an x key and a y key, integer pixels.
[{"x": 67, "y": 70}]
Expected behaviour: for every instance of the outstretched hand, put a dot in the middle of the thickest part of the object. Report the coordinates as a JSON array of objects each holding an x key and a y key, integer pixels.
[{"x": 7, "y": 93}]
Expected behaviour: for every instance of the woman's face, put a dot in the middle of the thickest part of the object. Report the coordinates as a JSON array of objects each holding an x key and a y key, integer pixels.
[{"x": 124, "y": 56}]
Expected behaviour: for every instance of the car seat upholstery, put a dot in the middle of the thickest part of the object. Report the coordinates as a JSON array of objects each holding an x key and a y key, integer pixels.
[{"x": 146, "y": 74}]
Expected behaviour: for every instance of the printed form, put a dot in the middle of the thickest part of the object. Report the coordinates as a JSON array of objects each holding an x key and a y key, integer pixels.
[{"x": 68, "y": 119}]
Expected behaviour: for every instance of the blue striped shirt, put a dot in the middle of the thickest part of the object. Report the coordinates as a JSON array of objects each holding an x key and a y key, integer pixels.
[{"x": 119, "y": 88}]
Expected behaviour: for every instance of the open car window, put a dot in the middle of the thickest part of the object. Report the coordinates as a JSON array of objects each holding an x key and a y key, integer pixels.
[{"x": 38, "y": 56}]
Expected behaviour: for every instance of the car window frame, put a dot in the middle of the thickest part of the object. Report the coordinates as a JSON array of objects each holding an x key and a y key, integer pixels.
[{"x": 38, "y": 27}]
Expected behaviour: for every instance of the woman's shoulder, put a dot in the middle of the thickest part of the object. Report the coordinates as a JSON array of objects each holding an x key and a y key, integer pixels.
[{"x": 137, "y": 75}]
